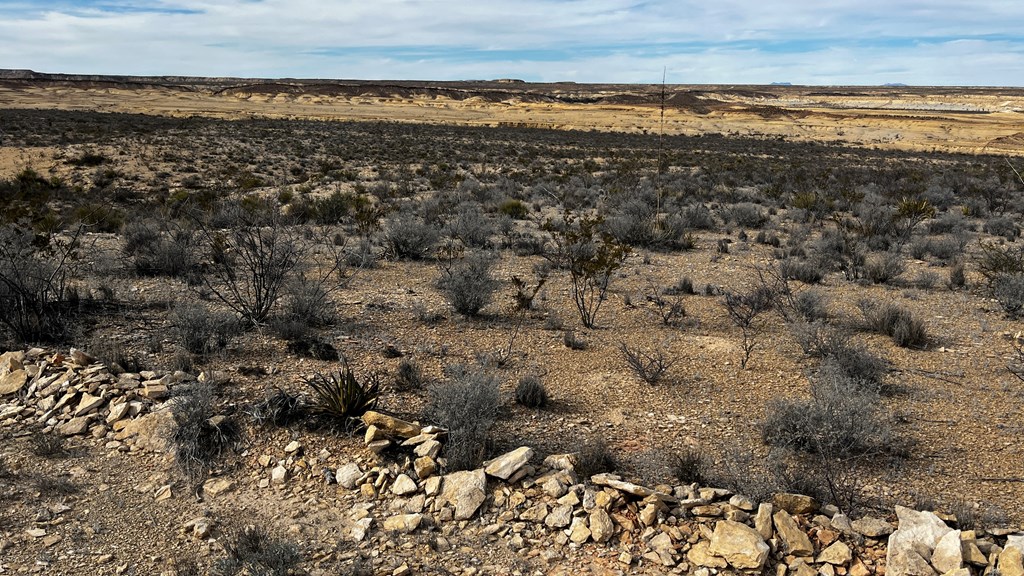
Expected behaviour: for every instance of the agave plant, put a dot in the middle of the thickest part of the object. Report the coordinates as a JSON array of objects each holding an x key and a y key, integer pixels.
[{"x": 340, "y": 395}]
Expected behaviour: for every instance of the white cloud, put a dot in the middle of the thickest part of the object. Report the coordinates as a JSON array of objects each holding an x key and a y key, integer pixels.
[{"x": 734, "y": 41}]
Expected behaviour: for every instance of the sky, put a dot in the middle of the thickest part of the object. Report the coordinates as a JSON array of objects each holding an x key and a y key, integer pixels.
[{"x": 816, "y": 42}]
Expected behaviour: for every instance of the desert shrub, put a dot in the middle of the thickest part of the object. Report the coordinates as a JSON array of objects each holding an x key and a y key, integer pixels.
[
  {"x": 249, "y": 267},
  {"x": 957, "y": 276},
  {"x": 468, "y": 285},
  {"x": 252, "y": 550},
  {"x": 515, "y": 209},
  {"x": 530, "y": 392},
  {"x": 572, "y": 341},
  {"x": 747, "y": 215},
  {"x": 810, "y": 305},
  {"x": 808, "y": 271},
  {"x": 410, "y": 238},
  {"x": 1002, "y": 226},
  {"x": 649, "y": 366},
  {"x": 689, "y": 466},
  {"x": 746, "y": 310},
  {"x": 884, "y": 268},
  {"x": 279, "y": 408},
  {"x": 698, "y": 217},
  {"x": 591, "y": 256},
  {"x": 683, "y": 286},
  {"x": 948, "y": 223},
  {"x": 339, "y": 395},
  {"x": 200, "y": 330},
  {"x": 594, "y": 457},
  {"x": 199, "y": 437},
  {"x": 409, "y": 375},
  {"x": 100, "y": 217},
  {"x": 38, "y": 297},
  {"x": 905, "y": 329},
  {"x": 1008, "y": 290},
  {"x": 308, "y": 300},
  {"x": 470, "y": 225},
  {"x": 157, "y": 253},
  {"x": 634, "y": 222},
  {"x": 997, "y": 260},
  {"x": 840, "y": 419},
  {"x": 47, "y": 445},
  {"x": 466, "y": 404},
  {"x": 672, "y": 312}
]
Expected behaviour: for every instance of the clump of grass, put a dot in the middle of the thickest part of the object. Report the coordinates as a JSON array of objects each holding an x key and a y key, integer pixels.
[
  {"x": 688, "y": 466},
  {"x": 409, "y": 375},
  {"x": 200, "y": 437},
  {"x": 905, "y": 329},
  {"x": 572, "y": 341},
  {"x": 279, "y": 408},
  {"x": 530, "y": 392},
  {"x": 594, "y": 457},
  {"x": 253, "y": 550},
  {"x": 47, "y": 445}
]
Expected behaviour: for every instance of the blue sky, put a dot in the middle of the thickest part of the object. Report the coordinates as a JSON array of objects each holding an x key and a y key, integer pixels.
[{"x": 920, "y": 42}]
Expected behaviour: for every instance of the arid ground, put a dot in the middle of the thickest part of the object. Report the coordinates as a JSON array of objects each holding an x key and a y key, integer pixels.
[{"x": 822, "y": 209}]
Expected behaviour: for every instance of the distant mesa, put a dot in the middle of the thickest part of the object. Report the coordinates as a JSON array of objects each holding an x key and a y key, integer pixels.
[
  {"x": 509, "y": 81},
  {"x": 894, "y": 85},
  {"x": 782, "y": 83}
]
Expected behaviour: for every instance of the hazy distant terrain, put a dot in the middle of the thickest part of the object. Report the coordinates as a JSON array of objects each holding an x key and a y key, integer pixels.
[{"x": 974, "y": 120}]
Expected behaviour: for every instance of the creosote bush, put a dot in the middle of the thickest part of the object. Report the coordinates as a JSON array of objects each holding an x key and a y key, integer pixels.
[{"x": 466, "y": 404}]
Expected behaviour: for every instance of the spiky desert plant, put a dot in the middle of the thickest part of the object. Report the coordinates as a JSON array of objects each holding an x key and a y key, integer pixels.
[{"x": 340, "y": 395}]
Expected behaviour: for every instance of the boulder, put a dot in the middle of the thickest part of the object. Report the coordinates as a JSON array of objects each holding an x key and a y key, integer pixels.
[
  {"x": 793, "y": 538},
  {"x": 465, "y": 491},
  {"x": 1011, "y": 561},
  {"x": 348, "y": 475},
  {"x": 601, "y": 526},
  {"x": 391, "y": 425},
  {"x": 838, "y": 554},
  {"x": 700, "y": 555},
  {"x": 763, "y": 520},
  {"x": 508, "y": 464},
  {"x": 13, "y": 382},
  {"x": 872, "y": 527},
  {"x": 403, "y": 486},
  {"x": 948, "y": 554},
  {"x": 911, "y": 545},
  {"x": 578, "y": 532},
  {"x": 795, "y": 503},
  {"x": 74, "y": 426},
  {"x": 559, "y": 517},
  {"x": 403, "y": 523},
  {"x": 740, "y": 545}
]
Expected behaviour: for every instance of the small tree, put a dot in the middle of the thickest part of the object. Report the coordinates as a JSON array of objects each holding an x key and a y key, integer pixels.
[
  {"x": 591, "y": 256},
  {"x": 745, "y": 310}
]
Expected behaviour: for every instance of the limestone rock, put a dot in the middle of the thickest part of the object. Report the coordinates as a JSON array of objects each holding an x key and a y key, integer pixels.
[
  {"x": 763, "y": 520},
  {"x": 561, "y": 461},
  {"x": 391, "y": 425},
  {"x": 913, "y": 542},
  {"x": 216, "y": 486},
  {"x": 616, "y": 482},
  {"x": 559, "y": 517},
  {"x": 578, "y": 532},
  {"x": 403, "y": 523},
  {"x": 348, "y": 475},
  {"x": 428, "y": 449},
  {"x": 795, "y": 503},
  {"x": 13, "y": 382},
  {"x": 88, "y": 404},
  {"x": 278, "y": 475},
  {"x": 508, "y": 464},
  {"x": 378, "y": 446},
  {"x": 466, "y": 491},
  {"x": 838, "y": 554},
  {"x": 739, "y": 544},
  {"x": 535, "y": 513},
  {"x": 872, "y": 527},
  {"x": 601, "y": 526},
  {"x": 424, "y": 467},
  {"x": 74, "y": 426},
  {"x": 948, "y": 555},
  {"x": 373, "y": 434},
  {"x": 1011, "y": 562},
  {"x": 293, "y": 447},
  {"x": 700, "y": 555},
  {"x": 795, "y": 540},
  {"x": 117, "y": 412},
  {"x": 403, "y": 486}
]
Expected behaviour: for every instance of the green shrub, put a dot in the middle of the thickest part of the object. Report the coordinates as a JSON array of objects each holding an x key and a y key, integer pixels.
[{"x": 515, "y": 209}]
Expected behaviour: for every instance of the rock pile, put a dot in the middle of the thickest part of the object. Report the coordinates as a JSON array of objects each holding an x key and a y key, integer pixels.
[
  {"x": 539, "y": 508},
  {"x": 74, "y": 395}
]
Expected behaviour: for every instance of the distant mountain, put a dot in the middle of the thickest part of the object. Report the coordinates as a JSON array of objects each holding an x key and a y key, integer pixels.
[
  {"x": 782, "y": 83},
  {"x": 895, "y": 85}
]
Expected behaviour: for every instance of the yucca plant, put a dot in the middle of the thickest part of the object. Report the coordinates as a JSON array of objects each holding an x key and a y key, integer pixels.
[{"x": 340, "y": 395}]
